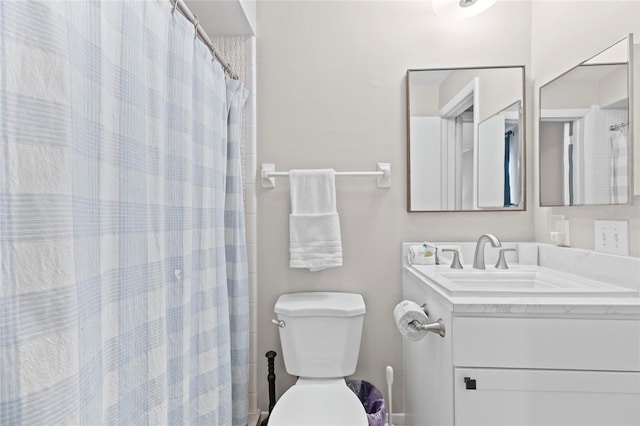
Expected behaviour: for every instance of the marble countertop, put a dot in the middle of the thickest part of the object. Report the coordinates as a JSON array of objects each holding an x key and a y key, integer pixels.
[
  {"x": 620, "y": 271},
  {"x": 529, "y": 305}
]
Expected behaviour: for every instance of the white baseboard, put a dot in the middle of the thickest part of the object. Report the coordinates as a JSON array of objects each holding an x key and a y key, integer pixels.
[
  {"x": 397, "y": 419},
  {"x": 254, "y": 419}
]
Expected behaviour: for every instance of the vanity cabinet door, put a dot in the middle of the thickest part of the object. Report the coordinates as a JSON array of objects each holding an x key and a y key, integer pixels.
[
  {"x": 546, "y": 397},
  {"x": 547, "y": 343}
]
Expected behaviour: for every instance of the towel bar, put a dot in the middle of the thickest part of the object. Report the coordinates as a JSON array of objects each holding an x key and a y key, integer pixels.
[{"x": 383, "y": 174}]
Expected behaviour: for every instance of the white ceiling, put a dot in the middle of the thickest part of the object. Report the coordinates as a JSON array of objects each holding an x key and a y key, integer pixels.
[{"x": 225, "y": 17}]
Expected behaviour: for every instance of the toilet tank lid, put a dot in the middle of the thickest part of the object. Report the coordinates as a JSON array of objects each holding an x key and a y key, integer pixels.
[{"x": 328, "y": 304}]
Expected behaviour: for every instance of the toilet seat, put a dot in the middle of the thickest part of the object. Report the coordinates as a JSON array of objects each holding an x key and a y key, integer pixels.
[{"x": 318, "y": 402}]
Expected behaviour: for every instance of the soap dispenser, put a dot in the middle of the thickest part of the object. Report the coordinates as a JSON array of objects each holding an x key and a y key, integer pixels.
[{"x": 559, "y": 230}]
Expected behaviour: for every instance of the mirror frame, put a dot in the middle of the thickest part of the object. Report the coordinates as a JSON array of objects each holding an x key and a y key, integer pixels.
[
  {"x": 630, "y": 128},
  {"x": 523, "y": 141}
]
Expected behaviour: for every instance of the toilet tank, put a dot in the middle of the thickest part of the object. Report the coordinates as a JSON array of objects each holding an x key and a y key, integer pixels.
[{"x": 321, "y": 332}]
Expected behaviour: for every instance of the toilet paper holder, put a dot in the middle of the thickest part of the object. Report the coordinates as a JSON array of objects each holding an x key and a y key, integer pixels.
[{"x": 434, "y": 327}]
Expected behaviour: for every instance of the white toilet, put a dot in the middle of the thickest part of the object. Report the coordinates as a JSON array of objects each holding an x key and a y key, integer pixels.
[{"x": 320, "y": 334}]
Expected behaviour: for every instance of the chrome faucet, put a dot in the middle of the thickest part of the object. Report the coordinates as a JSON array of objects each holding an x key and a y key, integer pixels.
[{"x": 478, "y": 257}]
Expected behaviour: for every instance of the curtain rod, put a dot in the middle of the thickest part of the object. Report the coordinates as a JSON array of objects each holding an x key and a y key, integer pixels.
[
  {"x": 618, "y": 126},
  {"x": 193, "y": 18}
]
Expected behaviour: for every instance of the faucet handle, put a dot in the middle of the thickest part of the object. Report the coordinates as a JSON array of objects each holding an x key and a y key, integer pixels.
[
  {"x": 455, "y": 263},
  {"x": 502, "y": 261}
]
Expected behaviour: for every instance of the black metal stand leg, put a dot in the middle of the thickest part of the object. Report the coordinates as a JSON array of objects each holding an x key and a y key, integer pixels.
[{"x": 271, "y": 377}]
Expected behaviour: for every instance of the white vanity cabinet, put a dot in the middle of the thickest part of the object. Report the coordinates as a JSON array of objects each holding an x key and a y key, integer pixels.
[
  {"x": 547, "y": 397},
  {"x": 525, "y": 362},
  {"x": 546, "y": 371},
  {"x": 428, "y": 368}
]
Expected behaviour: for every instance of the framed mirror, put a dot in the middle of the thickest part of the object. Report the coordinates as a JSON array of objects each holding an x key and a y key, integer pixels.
[
  {"x": 585, "y": 137},
  {"x": 466, "y": 139}
]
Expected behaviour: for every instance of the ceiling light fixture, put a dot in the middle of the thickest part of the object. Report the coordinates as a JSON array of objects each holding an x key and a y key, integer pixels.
[
  {"x": 461, "y": 9},
  {"x": 467, "y": 3}
]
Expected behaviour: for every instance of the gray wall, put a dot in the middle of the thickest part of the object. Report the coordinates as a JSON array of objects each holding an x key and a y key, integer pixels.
[
  {"x": 331, "y": 77},
  {"x": 331, "y": 83}
]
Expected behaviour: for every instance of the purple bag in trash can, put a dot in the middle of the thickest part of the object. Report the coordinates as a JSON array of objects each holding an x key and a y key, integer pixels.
[{"x": 372, "y": 401}]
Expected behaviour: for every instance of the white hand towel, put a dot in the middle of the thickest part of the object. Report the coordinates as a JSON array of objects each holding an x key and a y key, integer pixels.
[
  {"x": 313, "y": 191},
  {"x": 314, "y": 225}
]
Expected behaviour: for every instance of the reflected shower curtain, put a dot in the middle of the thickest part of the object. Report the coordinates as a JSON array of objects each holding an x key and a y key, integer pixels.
[
  {"x": 123, "y": 287},
  {"x": 507, "y": 168},
  {"x": 619, "y": 166}
]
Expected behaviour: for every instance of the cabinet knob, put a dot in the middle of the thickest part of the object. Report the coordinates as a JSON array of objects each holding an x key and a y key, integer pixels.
[{"x": 470, "y": 383}]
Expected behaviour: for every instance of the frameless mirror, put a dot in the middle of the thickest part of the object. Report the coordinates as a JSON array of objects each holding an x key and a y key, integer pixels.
[
  {"x": 585, "y": 139},
  {"x": 466, "y": 139}
]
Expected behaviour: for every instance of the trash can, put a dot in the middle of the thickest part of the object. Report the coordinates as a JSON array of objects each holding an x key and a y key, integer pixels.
[{"x": 372, "y": 401}]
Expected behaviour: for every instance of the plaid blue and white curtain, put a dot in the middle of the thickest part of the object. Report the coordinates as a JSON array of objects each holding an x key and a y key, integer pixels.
[
  {"x": 123, "y": 286},
  {"x": 619, "y": 166}
]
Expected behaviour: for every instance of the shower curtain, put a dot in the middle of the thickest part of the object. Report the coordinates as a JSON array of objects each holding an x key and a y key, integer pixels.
[
  {"x": 619, "y": 166},
  {"x": 123, "y": 296},
  {"x": 507, "y": 168}
]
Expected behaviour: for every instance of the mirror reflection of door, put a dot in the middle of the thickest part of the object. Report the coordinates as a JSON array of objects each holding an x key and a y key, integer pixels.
[
  {"x": 458, "y": 139},
  {"x": 585, "y": 139},
  {"x": 499, "y": 159},
  {"x": 442, "y": 150},
  {"x": 465, "y": 139},
  {"x": 465, "y": 189}
]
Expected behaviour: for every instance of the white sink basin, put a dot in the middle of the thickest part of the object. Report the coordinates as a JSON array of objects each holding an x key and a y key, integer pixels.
[{"x": 518, "y": 281}]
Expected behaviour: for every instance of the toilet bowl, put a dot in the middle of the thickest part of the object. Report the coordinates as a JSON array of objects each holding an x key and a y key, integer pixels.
[
  {"x": 320, "y": 334},
  {"x": 318, "y": 402}
]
